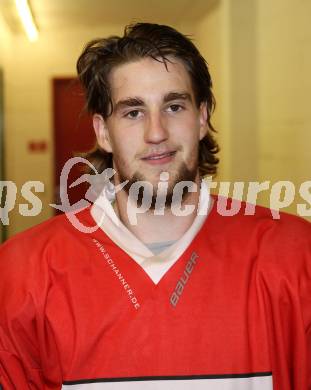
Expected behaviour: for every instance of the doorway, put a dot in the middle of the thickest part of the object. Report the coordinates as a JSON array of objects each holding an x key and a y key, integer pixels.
[{"x": 73, "y": 134}]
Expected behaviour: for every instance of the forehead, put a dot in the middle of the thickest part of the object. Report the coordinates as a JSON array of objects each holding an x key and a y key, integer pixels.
[{"x": 149, "y": 78}]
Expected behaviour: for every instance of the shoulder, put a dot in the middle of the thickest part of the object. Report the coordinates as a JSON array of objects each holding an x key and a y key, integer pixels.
[
  {"x": 56, "y": 232},
  {"x": 286, "y": 247},
  {"x": 284, "y": 244},
  {"x": 283, "y": 241},
  {"x": 282, "y": 231},
  {"x": 30, "y": 260},
  {"x": 233, "y": 213}
]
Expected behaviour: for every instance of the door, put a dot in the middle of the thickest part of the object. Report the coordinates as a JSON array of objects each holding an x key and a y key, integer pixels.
[{"x": 73, "y": 134}]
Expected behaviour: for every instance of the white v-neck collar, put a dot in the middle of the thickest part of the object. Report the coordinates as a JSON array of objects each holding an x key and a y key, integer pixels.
[{"x": 155, "y": 266}]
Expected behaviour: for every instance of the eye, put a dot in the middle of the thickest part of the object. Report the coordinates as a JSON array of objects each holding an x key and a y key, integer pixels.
[
  {"x": 134, "y": 114},
  {"x": 175, "y": 107}
]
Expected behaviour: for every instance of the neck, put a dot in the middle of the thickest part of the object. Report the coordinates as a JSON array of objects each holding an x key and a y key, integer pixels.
[{"x": 148, "y": 226}]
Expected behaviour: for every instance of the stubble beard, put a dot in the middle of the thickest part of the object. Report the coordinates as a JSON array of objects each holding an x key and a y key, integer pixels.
[{"x": 184, "y": 173}]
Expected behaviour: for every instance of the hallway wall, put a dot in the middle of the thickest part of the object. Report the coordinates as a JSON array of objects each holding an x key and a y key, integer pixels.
[
  {"x": 5, "y": 45},
  {"x": 260, "y": 58},
  {"x": 284, "y": 86},
  {"x": 227, "y": 38}
]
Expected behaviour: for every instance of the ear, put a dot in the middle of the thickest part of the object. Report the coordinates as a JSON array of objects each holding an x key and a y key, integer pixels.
[
  {"x": 102, "y": 133},
  {"x": 203, "y": 120}
]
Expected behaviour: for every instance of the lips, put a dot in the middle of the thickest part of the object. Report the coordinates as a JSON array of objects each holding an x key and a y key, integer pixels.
[{"x": 159, "y": 156}]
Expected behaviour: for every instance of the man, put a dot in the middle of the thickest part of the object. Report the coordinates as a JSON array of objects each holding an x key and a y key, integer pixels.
[{"x": 178, "y": 297}]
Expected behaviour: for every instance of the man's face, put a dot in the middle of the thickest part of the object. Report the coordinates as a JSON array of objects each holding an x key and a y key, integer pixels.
[{"x": 155, "y": 125}]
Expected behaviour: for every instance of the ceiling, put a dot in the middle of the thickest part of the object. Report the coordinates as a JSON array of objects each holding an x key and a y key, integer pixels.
[{"x": 70, "y": 14}]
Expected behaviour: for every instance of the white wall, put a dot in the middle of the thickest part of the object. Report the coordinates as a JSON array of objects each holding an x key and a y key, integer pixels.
[
  {"x": 260, "y": 59},
  {"x": 5, "y": 44},
  {"x": 284, "y": 90},
  {"x": 227, "y": 38},
  {"x": 211, "y": 38}
]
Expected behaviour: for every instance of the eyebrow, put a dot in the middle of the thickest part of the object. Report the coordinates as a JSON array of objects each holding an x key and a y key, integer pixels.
[
  {"x": 177, "y": 96},
  {"x": 138, "y": 102},
  {"x": 128, "y": 102}
]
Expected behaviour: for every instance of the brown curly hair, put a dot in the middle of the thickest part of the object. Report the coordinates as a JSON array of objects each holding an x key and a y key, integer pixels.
[{"x": 142, "y": 40}]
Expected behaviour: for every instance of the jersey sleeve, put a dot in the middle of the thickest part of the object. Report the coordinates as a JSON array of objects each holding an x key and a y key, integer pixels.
[
  {"x": 285, "y": 279},
  {"x": 14, "y": 372},
  {"x": 309, "y": 357},
  {"x": 305, "y": 284},
  {"x": 28, "y": 354}
]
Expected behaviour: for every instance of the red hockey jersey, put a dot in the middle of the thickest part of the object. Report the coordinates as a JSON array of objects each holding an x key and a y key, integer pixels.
[{"x": 234, "y": 312}]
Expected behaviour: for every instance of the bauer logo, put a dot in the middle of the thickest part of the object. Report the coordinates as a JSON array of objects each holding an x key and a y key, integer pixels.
[{"x": 180, "y": 286}]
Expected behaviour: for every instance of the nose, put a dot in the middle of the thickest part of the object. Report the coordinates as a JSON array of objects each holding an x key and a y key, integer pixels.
[{"x": 155, "y": 130}]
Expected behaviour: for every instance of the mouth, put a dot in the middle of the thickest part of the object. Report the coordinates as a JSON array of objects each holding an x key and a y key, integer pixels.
[{"x": 159, "y": 158}]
